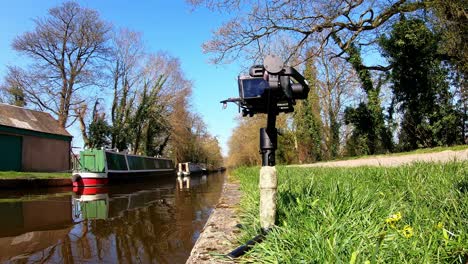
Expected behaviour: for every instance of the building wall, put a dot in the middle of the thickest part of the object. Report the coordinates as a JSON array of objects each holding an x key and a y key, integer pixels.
[
  {"x": 10, "y": 152},
  {"x": 45, "y": 154}
]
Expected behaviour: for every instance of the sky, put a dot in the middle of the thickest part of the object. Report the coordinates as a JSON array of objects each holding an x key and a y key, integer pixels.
[{"x": 171, "y": 26}]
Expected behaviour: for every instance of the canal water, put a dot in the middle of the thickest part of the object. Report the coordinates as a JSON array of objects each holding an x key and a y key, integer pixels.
[{"x": 148, "y": 222}]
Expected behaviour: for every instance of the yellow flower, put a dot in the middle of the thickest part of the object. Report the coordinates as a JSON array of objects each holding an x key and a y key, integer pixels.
[
  {"x": 407, "y": 231},
  {"x": 440, "y": 225},
  {"x": 393, "y": 219},
  {"x": 397, "y": 216}
]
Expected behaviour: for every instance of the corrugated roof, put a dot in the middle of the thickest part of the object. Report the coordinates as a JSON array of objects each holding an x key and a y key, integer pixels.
[{"x": 19, "y": 117}]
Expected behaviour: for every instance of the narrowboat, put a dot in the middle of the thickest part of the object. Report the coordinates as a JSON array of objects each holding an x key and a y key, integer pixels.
[
  {"x": 99, "y": 167},
  {"x": 187, "y": 168}
]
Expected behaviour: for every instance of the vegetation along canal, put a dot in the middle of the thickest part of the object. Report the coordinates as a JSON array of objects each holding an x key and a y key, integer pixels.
[{"x": 147, "y": 222}]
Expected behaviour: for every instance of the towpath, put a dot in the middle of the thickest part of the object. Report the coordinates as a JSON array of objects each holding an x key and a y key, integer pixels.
[{"x": 397, "y": 160}]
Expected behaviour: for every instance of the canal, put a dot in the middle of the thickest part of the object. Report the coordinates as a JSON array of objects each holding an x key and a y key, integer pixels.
[{"x": 148, "y": 222}]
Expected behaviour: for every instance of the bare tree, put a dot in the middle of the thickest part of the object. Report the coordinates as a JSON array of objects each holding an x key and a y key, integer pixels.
[
  {"x": 81, "y": 112},
  {"x": 163, "y": 75},
  {"x": 66, "y": 48},
  {"x": 180, "y": 136},
  {"x": 126, "y": 69},
  {"x": 13, "y": 86},
  {"x": 308, "y": 24},
  {"x": 352, "y": 27},
  {"x": 337, "y": 83},
  {"x": 243, "y": 143}
]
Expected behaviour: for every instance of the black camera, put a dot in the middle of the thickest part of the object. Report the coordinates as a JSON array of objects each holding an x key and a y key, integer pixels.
[{"x": 270, "y": 87}]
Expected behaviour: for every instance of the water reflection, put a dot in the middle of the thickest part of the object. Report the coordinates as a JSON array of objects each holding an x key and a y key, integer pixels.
[
  {"x": 184, "y": 181},
  {"x": 33, "y": 225},
  {"x": 156, "y": 222}
]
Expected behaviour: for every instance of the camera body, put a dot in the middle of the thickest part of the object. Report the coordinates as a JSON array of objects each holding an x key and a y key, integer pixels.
[{"x": 270, "y": 88}]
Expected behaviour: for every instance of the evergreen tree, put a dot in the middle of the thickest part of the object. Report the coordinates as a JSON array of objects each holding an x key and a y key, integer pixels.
[
  {"x": 368, "y": 119},
  {"x": 420, "y": 86},
  {"x": 99, "y": 132},
  {"x": 308, "y": 122}
]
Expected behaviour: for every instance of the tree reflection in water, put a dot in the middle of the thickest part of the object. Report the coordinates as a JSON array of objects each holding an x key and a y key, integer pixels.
[{"x": 155, "y": 222}]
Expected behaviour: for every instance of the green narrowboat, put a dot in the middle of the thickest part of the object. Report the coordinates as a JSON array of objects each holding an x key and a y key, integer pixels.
[{"x": 101, "y": 166}]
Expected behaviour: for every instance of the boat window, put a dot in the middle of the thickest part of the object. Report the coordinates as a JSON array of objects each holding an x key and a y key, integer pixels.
[
  {"x": 149, "y": 164},
  {"x": 135, "y": 163},
  {"x": 116, "y": 161}
]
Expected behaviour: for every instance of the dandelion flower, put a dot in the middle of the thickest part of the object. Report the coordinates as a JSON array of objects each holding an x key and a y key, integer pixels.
[
  {"x": 407, "y": 231},
  {"x": 393, "y": 219},
  {"x": 397, "y": 216}
]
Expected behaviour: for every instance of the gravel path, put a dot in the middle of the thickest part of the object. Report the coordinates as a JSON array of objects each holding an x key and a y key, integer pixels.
[{"x": 392, "y": 161}]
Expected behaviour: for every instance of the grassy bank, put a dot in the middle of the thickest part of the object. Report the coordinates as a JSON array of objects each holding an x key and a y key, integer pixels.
[
  {"x": 409, "y": 214},
  {"x": 417, "y": 151},
  {"x": 32, "y": 175}
]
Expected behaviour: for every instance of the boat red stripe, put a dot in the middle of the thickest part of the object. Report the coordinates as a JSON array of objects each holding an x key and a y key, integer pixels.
[
  {"x": 80, "y": 182},
  {"x": 90, "y": 190}
]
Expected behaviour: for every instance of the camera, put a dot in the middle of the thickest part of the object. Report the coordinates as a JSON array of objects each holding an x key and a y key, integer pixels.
[{"x": 270, "y": 88}]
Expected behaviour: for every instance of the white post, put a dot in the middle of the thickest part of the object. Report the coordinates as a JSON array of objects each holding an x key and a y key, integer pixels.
[{"x": 268, "y": 184}]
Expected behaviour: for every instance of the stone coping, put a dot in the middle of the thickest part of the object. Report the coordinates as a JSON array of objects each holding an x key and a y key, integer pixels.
[
  {"x": 33, "y": 183},
  {"x": 219, "y": 235}
]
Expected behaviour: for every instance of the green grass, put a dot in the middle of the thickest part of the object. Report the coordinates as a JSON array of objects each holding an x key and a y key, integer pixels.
[
  {"x": 32, "y": 175},
  {"x": 436, "y": 149},
  {"x": 417, "y": 151},
  {"x": 340, "y": 215}
]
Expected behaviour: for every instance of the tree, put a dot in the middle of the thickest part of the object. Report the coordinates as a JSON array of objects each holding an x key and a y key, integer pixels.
[
  {"x": 65, "y": 48},
  {"x": 147, "y": 114},
  {"x": 288, "y": 141},
  {"x": 338, "y": 85},
  {"x": 253, "y": 30},
  {"x": 181, "y": 133},
  {"x": 308, "y": 121},
  {"x": 243, "y": 143},
  {"x": 188, "y": 139},
  {"x": 212, "y": 152},
  {"x": 145, "y": 90},
  {"x": 451, "y": 22},
  {"x": 377, "y": 136},
  {"x": 163, "y": 82},
  {"x": 99, "y": 132},
  {"x": 420, "y": 86},
  {"x": 81, "y": 112},
  {"x": 348, "y": 26},
  {"x": 125, "y": 70},
  {"x": 13, "y": 87}
]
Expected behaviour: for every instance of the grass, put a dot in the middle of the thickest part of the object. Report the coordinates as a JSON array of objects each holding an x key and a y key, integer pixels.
[
  {"x": 417, "y": 151},
  {"x": 409, "y": 214},
  {"x": 32, "y": 175},
  {"x": 436, "y": 149}
]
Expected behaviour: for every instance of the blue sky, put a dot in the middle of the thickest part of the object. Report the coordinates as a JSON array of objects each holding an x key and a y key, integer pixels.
[{"x": 170, "y": 26}]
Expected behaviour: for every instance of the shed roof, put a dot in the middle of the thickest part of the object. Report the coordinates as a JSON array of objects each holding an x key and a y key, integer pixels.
[{"x": 19, "y": 117}]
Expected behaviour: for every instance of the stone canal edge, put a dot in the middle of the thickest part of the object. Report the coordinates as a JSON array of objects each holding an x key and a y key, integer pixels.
[
  {"x": 34, "y": 183},
  {"x": 219, "y": 236}
]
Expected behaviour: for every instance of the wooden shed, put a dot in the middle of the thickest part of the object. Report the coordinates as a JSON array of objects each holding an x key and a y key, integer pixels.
[{"x": 32, "y": 141}]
